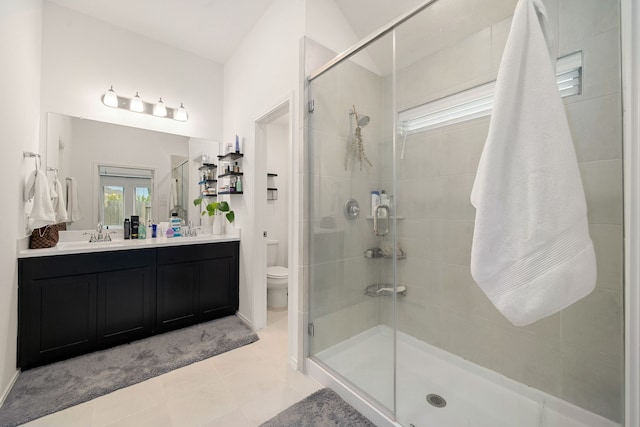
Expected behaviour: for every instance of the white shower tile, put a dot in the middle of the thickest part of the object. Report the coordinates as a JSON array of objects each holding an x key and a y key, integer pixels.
[
  {"x": 595, "y": 323},
  {"x": 602, "y": 181},
  {"x": 499, "y": 34},
  {"x": 608, "y": 245},
  {"x": 581, "y": 19},
  {"x": 532, "y": 361},
  {"x": 457, "y": 238},
  {"x": 592, "y": 383},
  {"x": 461, "y": 293},
  {"x": 457, "y": 194},
  {"x": 462, "y": 147},
  {"x": 596, "y": 127},
  {"x": 468, "y": 336},
  {"x": 465, "y": 61},
  {"x": 601, "y": 69}
]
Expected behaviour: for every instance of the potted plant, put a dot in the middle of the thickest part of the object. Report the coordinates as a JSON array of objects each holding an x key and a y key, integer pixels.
[{"x": 216, "y": 209}]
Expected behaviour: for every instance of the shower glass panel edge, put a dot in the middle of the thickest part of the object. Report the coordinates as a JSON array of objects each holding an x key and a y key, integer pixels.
[{"x": 352, "y": 332}]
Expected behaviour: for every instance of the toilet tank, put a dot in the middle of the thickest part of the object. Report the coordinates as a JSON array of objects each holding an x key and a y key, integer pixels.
[{"x": 272, "y": 252}]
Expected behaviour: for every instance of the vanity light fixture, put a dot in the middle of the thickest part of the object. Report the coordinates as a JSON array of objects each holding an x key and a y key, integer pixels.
[
  {"x": 110, "y": 98},
  {"x": 159, "y": 109},
  {"x": 136, "y": 104},
  {"x": 181, "y": 114}
]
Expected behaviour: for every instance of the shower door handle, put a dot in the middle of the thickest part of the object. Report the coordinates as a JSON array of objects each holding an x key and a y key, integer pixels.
[{"x": 376, "y": 230}]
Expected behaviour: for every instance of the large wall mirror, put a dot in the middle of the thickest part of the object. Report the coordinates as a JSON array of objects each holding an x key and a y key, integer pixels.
[{"x": 121, "y": 171}]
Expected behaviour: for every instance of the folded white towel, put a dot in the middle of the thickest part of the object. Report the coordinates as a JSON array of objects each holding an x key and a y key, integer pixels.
[
  {"x": 58, "y": 201},
  {"x": 37, "y": 189},
  {"x": 531, "y": 254},
  {"x": 73, "y": 205}
]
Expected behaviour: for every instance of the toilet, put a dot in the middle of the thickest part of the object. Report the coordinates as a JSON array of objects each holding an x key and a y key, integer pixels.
[{"x": 277, "y": 278}]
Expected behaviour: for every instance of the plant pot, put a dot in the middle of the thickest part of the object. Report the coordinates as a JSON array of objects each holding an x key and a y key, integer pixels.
[{"x": 217, "y": 225}]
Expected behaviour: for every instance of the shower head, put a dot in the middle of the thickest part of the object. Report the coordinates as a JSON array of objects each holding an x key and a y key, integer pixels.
[{"x": 363, "y": 121}]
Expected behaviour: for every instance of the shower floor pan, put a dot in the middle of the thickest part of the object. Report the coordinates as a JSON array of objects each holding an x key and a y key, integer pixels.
[{"x": 475, "y": 396}]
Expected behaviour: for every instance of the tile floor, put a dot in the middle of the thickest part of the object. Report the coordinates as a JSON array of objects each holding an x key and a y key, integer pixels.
[{"x": 241, "y": 388}]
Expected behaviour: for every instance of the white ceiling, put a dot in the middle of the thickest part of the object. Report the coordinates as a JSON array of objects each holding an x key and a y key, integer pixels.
[
  {"x": 209, "y": 28},
  {"x": 215, "y": 28}
]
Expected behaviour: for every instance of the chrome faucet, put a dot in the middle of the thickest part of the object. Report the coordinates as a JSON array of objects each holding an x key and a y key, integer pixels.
[{"x": 100, "y": 235}]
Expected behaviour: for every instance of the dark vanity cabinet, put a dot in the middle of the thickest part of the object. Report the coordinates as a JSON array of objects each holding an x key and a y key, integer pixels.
[
  {"x": 196, "y": 283},
  {"x": 73, "y": 304}
]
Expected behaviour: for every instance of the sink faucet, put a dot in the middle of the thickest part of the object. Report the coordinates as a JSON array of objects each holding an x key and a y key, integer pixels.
[{"x": 100, "y": 235}]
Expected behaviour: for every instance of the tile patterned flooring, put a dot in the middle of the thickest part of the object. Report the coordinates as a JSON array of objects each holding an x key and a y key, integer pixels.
[{"x": 241, "y": 388}]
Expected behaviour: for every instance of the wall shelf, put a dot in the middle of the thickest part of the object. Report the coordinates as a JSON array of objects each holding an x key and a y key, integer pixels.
[
  {"x": 231, "y": 156},
  {"x": 206, "y": 166},
  {"x": 231, "y": 192},
  {"x": 230, "y": 174},
  {"x": 272, "y": 192}
]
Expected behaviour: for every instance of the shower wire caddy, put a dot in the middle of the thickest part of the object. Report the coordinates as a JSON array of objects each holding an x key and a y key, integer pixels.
[{"x": 384, "y": 290}]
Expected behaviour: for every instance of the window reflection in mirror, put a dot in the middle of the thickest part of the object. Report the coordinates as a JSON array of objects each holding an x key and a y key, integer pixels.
[{"x": 125, "y": 192}]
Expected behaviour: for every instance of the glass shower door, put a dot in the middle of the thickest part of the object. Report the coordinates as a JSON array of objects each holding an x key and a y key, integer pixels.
[{"x": 351, "y": 245}]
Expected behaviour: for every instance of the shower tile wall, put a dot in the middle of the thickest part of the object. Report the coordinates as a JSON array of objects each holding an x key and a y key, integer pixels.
[
  {"x": 577, "y": 354},
  {"x": 338, "y": 270}
]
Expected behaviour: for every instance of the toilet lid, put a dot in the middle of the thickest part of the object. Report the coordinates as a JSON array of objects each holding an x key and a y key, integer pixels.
[{"x": 277, "y": 272}]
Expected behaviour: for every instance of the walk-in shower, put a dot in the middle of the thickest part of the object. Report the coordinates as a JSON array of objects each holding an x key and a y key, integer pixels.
[{"x": 433, "y": 350}]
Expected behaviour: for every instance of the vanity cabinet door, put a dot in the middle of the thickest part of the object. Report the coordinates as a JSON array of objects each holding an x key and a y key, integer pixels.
[
  {"x": 61, "y": 319},
  {"x": 218, "y": 287},
  {"x": 176, "y": 295},
  {"x": 125, "y": 301}
]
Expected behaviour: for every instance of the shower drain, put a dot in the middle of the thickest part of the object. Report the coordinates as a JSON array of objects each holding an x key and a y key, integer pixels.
[{"x": 436, "y": 400}]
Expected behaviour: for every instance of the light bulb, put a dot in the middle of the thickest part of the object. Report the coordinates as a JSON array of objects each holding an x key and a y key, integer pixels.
[
  {"x": 159, "y": 109},
  {"x": 110, "y": 99},
  {"x": 181, "y": 114},
  {"x": 136, "y": 104}
]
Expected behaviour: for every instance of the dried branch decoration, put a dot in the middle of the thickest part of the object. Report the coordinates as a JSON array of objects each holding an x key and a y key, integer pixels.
[{"x": 355, "y": 150}]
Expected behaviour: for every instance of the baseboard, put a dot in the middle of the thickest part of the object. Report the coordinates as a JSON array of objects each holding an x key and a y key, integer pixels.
[
  {"x": 244, "y": 320},
  {"x": 6, "y": 391},
  {"x": 293, "y": 362}
]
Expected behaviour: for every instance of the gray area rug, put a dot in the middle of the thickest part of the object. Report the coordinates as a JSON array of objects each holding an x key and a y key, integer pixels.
[
  {"x": 324, "y": 408},
  {"x": 51, "y": 388}
]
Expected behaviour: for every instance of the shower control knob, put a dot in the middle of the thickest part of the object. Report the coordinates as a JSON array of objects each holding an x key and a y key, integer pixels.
[{"x": 351, "y": 209}]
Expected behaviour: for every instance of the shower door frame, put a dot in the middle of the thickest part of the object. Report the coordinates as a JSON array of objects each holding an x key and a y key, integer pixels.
[{"x": 630, "y": 35}]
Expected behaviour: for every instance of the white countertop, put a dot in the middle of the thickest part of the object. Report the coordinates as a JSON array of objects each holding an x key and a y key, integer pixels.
[{"x": 70, "y": 245}]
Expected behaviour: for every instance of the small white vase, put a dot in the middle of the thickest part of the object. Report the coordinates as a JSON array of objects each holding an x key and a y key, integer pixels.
[{"x": 217, "y": 225}]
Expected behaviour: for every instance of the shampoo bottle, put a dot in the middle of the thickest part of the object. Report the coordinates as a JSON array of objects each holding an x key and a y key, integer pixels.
[
  {"x": 127, "y": 229},
  {"x": 384, "y": 201}
]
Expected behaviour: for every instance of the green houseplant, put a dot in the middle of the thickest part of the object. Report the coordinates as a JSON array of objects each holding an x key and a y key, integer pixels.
[{"x": 214, "y": 208}]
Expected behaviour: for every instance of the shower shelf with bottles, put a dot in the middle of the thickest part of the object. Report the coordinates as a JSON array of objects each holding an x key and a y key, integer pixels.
[
  {"x": 231, "y": 174},
  {"x": 208, "y": 182}
]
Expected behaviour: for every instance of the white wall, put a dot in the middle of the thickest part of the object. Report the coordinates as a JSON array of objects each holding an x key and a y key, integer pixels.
[
  {"x": 104, "y": 143},
  {"x": 82, "y": 56},
  {"x": 20, "y": 30},
  {"x": 325, "y": 24},
  {"x": 262, "y": 73}
]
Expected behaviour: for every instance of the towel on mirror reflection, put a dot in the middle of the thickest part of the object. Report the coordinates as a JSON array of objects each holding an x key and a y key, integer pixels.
[
  {"x": 58, "y": 201},
  {"x": 173, "y": 195},
  {"x": 531, "y": 253},
  {"x": 73, "y": 205},
  {"x": 36, "y": 189}
]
